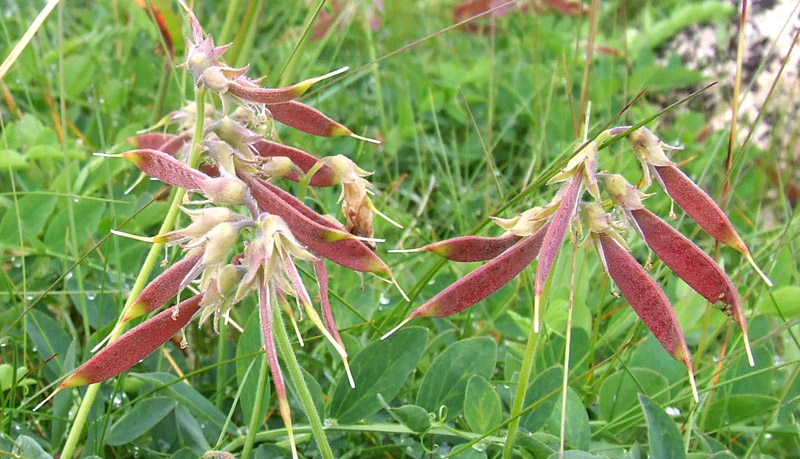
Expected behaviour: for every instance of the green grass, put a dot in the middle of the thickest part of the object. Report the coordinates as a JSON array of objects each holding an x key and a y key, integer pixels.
[{"x": 472, "y": 126}]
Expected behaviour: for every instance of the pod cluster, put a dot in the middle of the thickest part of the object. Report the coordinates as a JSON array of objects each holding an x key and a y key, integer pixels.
[
  {"x": 246, "y": 234},
  {"x": 538, "y": 234}
]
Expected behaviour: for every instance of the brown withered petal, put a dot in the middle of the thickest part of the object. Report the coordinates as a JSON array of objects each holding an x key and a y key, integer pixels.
[{"x": 647, "y": 299}]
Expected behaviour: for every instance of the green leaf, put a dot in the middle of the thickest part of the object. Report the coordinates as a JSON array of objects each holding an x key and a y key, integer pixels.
[
  {"x": 250, "y": 342},
  {"x": 135, "y": 423},
  {"x": 482, "y": 409},
  {"x": 87, "y": 214},
  {"x": 12, "y": 159},
  {"x": 618, "y": 392},
  {"x": 50, "y": 339},
  {"x": 781, "y": 302},
  {"x": 374, "y": 375},
  {"x": 539, "y": 392},
  {"x": 664, "y": 438},
  {"x": 187, "y": 396},
  {"x": 574, "y": 454},
  {"x": 28, "y": 448},
  {"x": 413, "y": 417},
  {"x": 34, "y": 210},
  {"x": 577, "y": 431},
  {"x": 735, "y": 409},
  {"x": 6, "y": 377},
  {"x": 190, "y": 430},
  {"x": 446, "y": 380}
]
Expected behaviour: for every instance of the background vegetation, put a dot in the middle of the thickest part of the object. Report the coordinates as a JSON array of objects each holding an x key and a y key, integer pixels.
[{"x": 473, "y": 121}]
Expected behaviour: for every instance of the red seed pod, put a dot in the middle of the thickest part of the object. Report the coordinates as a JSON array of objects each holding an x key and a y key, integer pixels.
[
  {"x": 647, "y": 299},
  {"x": 699, "y": 205},
  {"x": 302, "y": 208},
  {"x": 133, "y": 346},
  {"x": 482, "y": 282},
  {"x": 166, "y": 168},
  {"x": 305, "y": 161},
  {"x": 162, "y": 288},
  {"x": 307, "y": 119},
  {"x": 247, "y": 90},
  {"x": 151, "y": 140},
  {"x": 338, "y": 246},
  {"x": 469, "y": 248},
  {"x": 692, "y": 265},
  {"x": 267, "y": 321},
  {"x": 556, "y": 231},
  {"x": 166, "y": 143}
]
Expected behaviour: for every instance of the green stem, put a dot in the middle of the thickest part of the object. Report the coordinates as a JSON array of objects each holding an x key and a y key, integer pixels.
[
  {"x": 161, "y": 94},
  {"x": 141, "y": 280},
  {"x": 364, "y": 428},
  {"x": 255, "y": 418},
  {"x": 305, "y": 179},
  {"x": 285, "y": 351},
  {"x": 220, "y": 395},
  {"x": 287, "y": 72},
  {"x": 522, "y": 387},
  {"x": 230, "y": 18}
]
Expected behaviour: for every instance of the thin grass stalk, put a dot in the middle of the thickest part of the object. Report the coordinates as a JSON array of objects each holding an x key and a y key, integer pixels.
[
  {"x": 161, "y": 93},
  {"x": 286, "y": 73},
  {"x": 565, "y": 382},
  {"x": 737, "y": 84},
  {"x": 248, "y": 20},
  {"x": 255, "y": 417},
  {"x": 522, "y": 387},
  {"x": 230, "y": 19},
  {"x": 141, "y": 280},
  {"x": 301, "y": 389}
]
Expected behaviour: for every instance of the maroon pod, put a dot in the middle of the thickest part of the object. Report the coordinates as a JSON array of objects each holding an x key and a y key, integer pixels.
[
  {"x": 162, "y": 288},
  {"x": 647, "y": 299},
  {"x": 323, "y": 240},
  {"x": 305, "y": 161},
  {"x": 133, "y": 346},
  {"x": 556, "y": 231},
  {"x": 307, "y": 119},
  {"x": 470, "y": 248},
  {"x": 482, "y": 282},
  {"x": 699, "y": 206}
]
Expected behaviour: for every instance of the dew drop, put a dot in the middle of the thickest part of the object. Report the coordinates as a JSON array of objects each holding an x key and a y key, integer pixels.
[
  {"x": 68, "y": 276},
  {"x": 384, "y": 299},
  {"x": 672, "y": 411},
  {"x": 91, "y": 297}
]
